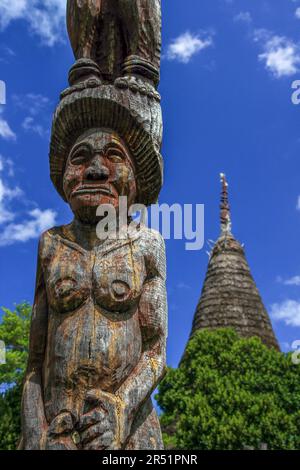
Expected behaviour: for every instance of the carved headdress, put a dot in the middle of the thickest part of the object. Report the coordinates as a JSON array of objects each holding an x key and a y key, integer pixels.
[
  {"x": 127, "y": 104},
  {"x": 136, "y": 118}
]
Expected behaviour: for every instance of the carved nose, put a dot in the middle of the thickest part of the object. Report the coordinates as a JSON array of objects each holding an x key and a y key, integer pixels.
[{"x": 97, "y": 171}]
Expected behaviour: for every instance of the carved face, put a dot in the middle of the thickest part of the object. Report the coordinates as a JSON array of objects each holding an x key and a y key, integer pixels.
[{"x": 99, "y": 169}]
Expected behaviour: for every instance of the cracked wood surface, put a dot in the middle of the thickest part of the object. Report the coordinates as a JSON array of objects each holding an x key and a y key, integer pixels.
[{"x": 99, "y": 322}]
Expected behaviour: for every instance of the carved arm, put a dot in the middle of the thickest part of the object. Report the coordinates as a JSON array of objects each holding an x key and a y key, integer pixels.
[
  {"x": 34, "y": 423},
  {"x": 153, "y": 319}
]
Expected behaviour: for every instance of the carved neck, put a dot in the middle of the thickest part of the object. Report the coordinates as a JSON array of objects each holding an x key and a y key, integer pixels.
[{"x": 84, "y": 234}]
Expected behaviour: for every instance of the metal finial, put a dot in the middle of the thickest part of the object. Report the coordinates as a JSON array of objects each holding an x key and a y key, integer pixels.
[{"x": 224, "y": 207}]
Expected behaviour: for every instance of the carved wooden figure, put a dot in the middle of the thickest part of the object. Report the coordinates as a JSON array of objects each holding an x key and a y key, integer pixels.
[
  {"x": 99, "y": 323},
  {"x": 97, "y": 348},
  {"x": 121, "y": 37}
]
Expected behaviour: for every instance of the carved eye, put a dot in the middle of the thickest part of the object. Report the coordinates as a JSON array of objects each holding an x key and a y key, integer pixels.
[
  {"x": 80, "y": 155},
  {"x": 115, "y": 155}
]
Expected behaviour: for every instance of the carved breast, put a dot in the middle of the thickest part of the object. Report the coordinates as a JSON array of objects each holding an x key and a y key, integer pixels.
[
  {"x": 113, "y": 279},
  {"x": 67, "y": 280},
  {"x": 118, "y": 278}
]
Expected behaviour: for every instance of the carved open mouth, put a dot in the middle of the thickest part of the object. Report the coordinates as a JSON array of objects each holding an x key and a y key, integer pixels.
[{"x": 92, "y": 189}]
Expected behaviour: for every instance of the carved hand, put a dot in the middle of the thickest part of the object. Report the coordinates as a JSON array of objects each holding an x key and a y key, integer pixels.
[
  {"x": 100, "y": 426},
  {"x": 59, "y": 435}
]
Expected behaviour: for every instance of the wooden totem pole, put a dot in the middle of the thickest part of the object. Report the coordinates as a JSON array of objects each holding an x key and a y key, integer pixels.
[{"x": 99, "y": 323}]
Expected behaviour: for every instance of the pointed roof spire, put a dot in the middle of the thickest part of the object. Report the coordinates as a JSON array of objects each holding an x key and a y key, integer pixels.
[
  {"x": 230, "y": 297},
  {"x": 225, "y": 217}
]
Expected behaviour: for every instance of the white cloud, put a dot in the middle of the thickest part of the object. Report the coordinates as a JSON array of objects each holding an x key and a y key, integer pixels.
[
  {"x": 186, "y": 45},
  {"x": 29, "y": 125},
  {"x": 297, "y": 13},
  {"x": 33, "y": 103},
  {"x": 293, "y": 281},
  {"x": 46, "y": 18},
  {"x": 287, "y": 311},
  {"x": 280, "y": 55},
  {"x": 35, "y": 106},
  {"x": 28, "y": 229},
  {"x": 7, "y": 194},
  {"x": 36, "y": 221},
  {"x": 244, "y": 17},
  {"x": 286, "y": 346},
  {"x": 183, "y": 285},
  {"x": 298, "y": 204},
  {"x": 6, "y": 53},
  {"x": 5, "y": 130},
  {"x": 8, "y": 164}
]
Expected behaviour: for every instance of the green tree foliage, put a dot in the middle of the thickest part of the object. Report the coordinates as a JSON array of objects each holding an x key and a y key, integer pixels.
[
  {"x": 10, "y": 422},
  {"x": 14, "y": 331},
  {"x": 229, "y": 393}
]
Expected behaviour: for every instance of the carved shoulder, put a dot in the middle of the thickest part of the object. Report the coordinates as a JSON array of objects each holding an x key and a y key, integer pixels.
[
  {"x": 152, "y": 245},
  {"x": 48, "y": 243}
]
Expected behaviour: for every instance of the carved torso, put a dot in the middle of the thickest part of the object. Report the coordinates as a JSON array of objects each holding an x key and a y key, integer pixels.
[{"x": 94, "y": 332}]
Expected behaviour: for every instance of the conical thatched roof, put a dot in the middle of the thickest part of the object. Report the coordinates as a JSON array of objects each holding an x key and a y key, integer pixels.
[{"x": 229, "y": 296}]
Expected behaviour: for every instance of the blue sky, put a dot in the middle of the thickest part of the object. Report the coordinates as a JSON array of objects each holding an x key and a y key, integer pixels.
[{"x": 227, "y": 71}]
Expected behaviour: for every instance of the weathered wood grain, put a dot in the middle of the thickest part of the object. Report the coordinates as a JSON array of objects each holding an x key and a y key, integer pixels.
[
  {"x": 99, "y": 323},
  {"x": 123, "y": 37}
]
